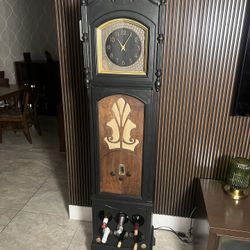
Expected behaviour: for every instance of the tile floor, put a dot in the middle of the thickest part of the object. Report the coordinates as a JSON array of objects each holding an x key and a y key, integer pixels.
[{"x": 33, "y": 197}]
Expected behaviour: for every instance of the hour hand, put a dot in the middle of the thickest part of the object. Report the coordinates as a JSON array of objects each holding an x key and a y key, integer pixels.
[{"x": 122, "y": 46}]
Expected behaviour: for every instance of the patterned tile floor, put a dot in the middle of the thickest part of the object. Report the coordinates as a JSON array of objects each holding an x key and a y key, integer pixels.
[{"x": 33, "y": 197}]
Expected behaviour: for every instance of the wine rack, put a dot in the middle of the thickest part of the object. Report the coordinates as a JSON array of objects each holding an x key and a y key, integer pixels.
[
  {"x": 131, "y": 212},
  {"x": 123, "y": 117}
]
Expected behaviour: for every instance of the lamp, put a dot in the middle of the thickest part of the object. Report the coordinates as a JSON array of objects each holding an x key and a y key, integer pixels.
[{"x": 238, "y": 178}]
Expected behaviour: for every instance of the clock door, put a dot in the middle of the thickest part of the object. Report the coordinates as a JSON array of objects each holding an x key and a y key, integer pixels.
[
  {"x": 121, "y": 128},
  {"x": 122, "y": 47}
]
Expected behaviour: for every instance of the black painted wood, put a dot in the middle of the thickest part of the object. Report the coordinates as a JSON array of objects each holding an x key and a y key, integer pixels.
[{"x": 150, "y": 13}]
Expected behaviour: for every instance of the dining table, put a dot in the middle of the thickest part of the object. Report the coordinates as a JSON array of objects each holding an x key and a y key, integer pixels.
[{"x": 10, "y": 92}]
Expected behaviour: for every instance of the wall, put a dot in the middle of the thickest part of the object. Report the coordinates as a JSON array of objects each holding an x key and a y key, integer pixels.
[
  {"x": 196, "y": 136},
  {"x": 26, "y": 26}
]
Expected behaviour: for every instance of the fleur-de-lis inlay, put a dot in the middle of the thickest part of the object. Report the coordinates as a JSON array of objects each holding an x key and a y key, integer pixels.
[{"x": 121, "y": 127}]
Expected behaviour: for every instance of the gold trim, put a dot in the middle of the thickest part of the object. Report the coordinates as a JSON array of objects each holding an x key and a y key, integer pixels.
[
  {"x": 121, "y": 127},
  {"x": 236, "y": 194},
  {"x": 99, "y": 30}
]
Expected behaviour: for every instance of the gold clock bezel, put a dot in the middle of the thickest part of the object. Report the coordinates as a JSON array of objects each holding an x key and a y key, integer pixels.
[{"x": 99, "y": 48}]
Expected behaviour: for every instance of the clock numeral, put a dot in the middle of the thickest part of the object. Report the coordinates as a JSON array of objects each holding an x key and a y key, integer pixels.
[
  {"x": 130, "y": 60},
  {"x": 112, "y": 39},
  {"x": 123, "y": 62},
  {"x": 138, "y": 47},
  {"x": 136, "y": 40},
  {"x": 117, "y": 33},
  {"x": 123, "y": 32},
  {"x": 117, "y": 59},
  {"x": 135, "y": 55},
  {"x": 108, "y": 47},
  {"x": 111, "y": 55}
]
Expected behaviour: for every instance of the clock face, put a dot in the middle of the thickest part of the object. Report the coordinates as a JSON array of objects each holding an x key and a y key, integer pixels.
[{"x": 122, "y": 47}]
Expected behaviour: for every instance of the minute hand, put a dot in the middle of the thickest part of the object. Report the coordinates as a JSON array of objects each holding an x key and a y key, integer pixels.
[{"x": 124, "y": 45}]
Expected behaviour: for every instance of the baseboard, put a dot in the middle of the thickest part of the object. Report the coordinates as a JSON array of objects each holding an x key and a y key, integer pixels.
[
  {"x": 180, "y": 224},
  {"x": 80, "y": 213}
]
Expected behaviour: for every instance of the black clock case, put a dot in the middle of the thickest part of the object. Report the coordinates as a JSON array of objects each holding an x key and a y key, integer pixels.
[{"x": 145, "y": 88}]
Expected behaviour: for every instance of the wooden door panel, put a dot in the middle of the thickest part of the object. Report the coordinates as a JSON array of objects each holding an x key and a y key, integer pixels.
[{"x": 121, "y": 126}]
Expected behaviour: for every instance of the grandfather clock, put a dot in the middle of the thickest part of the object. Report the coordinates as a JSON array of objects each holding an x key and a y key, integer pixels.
[{"x": 123, "y": 48}]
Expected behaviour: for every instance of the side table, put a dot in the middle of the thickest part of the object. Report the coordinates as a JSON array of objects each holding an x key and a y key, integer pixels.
[{"x": 221, "y": 222}]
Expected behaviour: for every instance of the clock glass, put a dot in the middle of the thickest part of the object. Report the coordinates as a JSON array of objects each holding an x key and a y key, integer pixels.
[{"x": 122, "y": 47}]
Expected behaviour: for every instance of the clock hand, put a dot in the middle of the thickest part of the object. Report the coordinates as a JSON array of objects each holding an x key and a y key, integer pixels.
[
  {"x": 124, "y": 45},
  {"x": 119, "y": 42}
]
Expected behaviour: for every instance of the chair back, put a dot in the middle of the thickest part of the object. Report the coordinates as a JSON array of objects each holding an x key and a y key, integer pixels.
[{"x": 26, "y": 102}]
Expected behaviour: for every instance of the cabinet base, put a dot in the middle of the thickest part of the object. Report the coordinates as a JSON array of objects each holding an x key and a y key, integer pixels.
[{"x": 99, "y": 246}]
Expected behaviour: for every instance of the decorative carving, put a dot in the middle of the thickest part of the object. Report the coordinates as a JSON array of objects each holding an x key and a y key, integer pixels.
[
  {"x": 131, "y": 1},
  {"x": 87, "y": 77},
  {"x": 157, "y": 2},
  {"x": 158, "y": 80},
  {"x": 160, "y": 45},
  {"x": 85, "y": 37},
  {"x": 160, "y": 38},
  {"x": 121, "y": 127},
  {"x": 84, "y": 2}
]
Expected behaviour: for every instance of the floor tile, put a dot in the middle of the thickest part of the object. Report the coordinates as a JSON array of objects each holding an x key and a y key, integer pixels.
[
  {"x": 27, "y": 167},
  {"x": 52, "y": 198},
  {"x": 16, "y": 190},
  {"x": 38, "y": 231},
  {"x": 83, "y": 237},
  {"x": 169, "y": 241},
  {"x": 6, "y": 215}
]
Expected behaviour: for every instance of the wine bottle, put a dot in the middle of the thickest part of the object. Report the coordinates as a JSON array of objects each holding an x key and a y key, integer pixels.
[
  {"x": 137, "y": 239},
  {"x": 121, "y": 238},
  {"x": 106, "y": 232},
  {"x": 105, "y": 217},
  {"x": 137, "y": 221},
  {"x": 122, "y": 218}
]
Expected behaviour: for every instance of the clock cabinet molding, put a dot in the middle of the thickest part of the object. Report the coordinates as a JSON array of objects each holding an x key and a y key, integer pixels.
[{"x": 123, "y": 48}]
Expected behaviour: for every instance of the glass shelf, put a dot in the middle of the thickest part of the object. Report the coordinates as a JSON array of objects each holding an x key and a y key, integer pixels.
[{"x": 227, "y": 243}]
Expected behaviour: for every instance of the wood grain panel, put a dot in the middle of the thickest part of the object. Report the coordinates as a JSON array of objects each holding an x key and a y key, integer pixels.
[
  {"x": 121, "y": 126},
  {"x": 197, "y": 136}
]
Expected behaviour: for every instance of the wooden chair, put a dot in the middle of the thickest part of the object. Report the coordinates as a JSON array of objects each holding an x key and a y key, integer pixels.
[
  {"x": 17, "y": 119},
  {"x": 7, "y": 104},
  {"x": 3, "y": 83}
]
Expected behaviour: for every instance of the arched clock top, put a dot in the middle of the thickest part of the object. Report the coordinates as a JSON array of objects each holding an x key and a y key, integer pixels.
[{"x": 123, "y": 42}]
